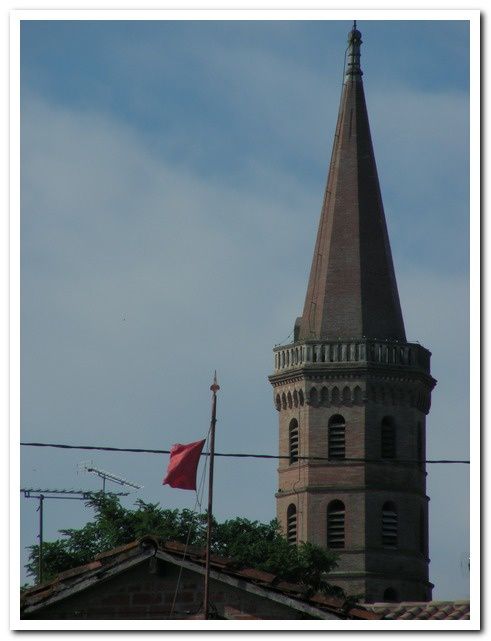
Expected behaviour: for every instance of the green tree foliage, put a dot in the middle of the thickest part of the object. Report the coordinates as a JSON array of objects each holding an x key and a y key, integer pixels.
[{"x": 250, "y": 543}]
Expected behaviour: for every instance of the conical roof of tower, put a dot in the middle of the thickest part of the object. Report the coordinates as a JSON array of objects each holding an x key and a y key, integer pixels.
[{"x": 352, "y": 290}]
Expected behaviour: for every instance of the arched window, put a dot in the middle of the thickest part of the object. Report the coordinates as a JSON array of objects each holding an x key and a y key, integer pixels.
[
  {"x": 324, "y": 396},
  {"x": 390, "y": 596},
  {"x": 358, "y": 395},
  {"x": 335, "y": 525},
  {"x": 291, "y": 524},
  {"x": 388, "y": 438},
  {"x": 389, "y": 525},
  {"x": 335, "y": 398},
  {"x": 336, "y": 437},
  {"x": 293, "y": 440},
  {"x": 313, "y": 396}
]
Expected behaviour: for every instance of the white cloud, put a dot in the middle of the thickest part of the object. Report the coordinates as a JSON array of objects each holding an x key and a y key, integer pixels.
[{"x": 141, "y": 277}]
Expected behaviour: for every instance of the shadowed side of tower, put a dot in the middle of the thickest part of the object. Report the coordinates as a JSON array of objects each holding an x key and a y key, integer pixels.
[{"x": 351, "y": 391}]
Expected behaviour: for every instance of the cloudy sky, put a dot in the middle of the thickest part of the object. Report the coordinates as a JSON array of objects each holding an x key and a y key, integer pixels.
[{"x": 171, "y": 181}]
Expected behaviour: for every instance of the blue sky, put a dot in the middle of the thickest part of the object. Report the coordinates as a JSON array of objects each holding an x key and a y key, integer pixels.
[{"x": 171, "y": 182}]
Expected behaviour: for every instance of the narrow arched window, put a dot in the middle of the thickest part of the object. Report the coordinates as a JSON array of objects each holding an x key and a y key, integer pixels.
[
  {"x": 293, "y": 440},
  {"x": 388, "y": 438},
  {"x": 324, "y": 396},
  {"x": 313, "y": 397},
  {"x": 336, "y": 437},
  {"x": 291, "y": 524},
  {"x": 335, "y": 397},
  {"x": 289, "y": 400},
  {"x": 390, "y": 596},
  {"x": 335, "y": 524},
  {"x": 389, "y": 525}
]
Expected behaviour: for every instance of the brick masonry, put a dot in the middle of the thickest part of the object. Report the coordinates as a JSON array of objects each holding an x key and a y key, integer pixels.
[
  {"x": 365, "y": 566},
  {"x": 339, "y": 363},
  {"x": 147, "y": 591}
]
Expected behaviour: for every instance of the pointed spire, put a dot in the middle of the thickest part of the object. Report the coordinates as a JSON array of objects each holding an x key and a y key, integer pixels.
[{"x": 352, "y": 291}]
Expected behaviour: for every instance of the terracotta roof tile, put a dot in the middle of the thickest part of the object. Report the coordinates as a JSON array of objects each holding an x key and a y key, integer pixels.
[
  {"x": 39, "y": 596},
  {"x": 360, "y": 613},
  {"x": 293, "y": 588},
  {"x": 257, "y": 575},
  {"x": 195, "y": 551},
  {"x": 67, "y": 574},
  {"x": 223, "y": 561},
  {"x": 117, "y": 551},
  {"x": 112, "y": 558},
  {"x": 323, "y": 599},
  {"x": 173, "y": 546},
  {"x": 434, "y": 610}
]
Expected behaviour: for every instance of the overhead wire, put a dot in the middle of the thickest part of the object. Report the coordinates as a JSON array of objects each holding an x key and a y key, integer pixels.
[{"x": 137, "y": 450}]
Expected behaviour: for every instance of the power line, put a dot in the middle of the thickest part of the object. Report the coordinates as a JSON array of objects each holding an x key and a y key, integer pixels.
[{"x": 239, "y": 455}]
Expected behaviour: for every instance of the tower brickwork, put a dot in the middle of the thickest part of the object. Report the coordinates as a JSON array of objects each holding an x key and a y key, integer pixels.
[{"x": 351, "y": 393}]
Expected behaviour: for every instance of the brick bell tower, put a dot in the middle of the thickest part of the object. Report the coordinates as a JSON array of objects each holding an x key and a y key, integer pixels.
[{"x": 351, "y": 391}]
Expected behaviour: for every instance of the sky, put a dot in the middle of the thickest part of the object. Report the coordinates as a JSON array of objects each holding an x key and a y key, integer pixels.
[{"x": 172, "y": 175}]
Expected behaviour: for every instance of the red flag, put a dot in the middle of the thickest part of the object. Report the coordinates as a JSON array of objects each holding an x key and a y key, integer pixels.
[{"x": 183, "y": 463}]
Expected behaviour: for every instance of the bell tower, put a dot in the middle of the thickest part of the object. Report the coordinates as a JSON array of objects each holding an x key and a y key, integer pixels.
[{"x": 351, "y": 393}]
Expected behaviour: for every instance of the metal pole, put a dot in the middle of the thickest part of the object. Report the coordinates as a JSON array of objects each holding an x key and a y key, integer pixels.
[
  {"x": 40, "y": 570},
  {"x": 214, "y": 388}
]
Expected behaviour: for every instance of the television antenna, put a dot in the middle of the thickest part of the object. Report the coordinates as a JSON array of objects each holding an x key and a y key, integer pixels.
[
  {"x": 107, "y": 476},
  {"x": 41, "y": 496}
]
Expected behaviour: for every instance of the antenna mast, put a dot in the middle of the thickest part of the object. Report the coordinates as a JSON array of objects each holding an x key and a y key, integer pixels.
[
  {"x": 110, "y": 477},
  {"x": 41, "y": 495}
]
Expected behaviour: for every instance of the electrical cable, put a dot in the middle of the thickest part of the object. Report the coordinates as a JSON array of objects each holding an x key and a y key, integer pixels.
[{"x": 242, "y": 455}]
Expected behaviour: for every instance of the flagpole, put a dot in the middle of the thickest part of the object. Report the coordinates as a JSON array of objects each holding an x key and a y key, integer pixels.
[{"x": 214, "y": 388}]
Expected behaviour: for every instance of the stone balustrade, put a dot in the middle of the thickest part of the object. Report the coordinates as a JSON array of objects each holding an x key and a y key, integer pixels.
[{"x": 359, "y": 351}]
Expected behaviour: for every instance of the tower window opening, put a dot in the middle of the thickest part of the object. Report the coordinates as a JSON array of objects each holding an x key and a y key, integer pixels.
[
  {"x": 389, "y": 525},
  {"x": 388, "y": 438},
  {"x": 335, "y": 525},
  {"x": 293, "y": 440},
  {"x": 336, "y": 437},
  {"x": 291, "y": 524},
  {"x": 313, "y": 397}
]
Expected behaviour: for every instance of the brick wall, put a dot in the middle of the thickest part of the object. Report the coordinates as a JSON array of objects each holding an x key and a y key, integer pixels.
[
  {"x": 148, "y": 590},
  {"x": 364, "y": 565}
]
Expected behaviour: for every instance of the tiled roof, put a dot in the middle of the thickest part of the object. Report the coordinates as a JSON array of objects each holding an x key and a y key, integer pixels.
[
  {"x": 435, "y": 610},
  {"x": 109, "y": 562}
]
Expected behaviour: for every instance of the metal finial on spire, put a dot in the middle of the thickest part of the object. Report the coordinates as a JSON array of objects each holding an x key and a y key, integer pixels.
[
  {"x": 215, "y": 387},
  {"x": 354, "y": 42}
]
